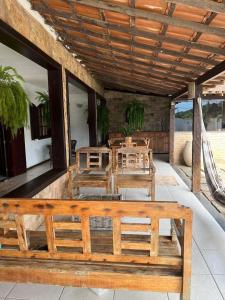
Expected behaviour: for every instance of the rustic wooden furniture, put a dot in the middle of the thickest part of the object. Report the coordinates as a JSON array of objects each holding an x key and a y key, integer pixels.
[
  {"x": 159, "y": 139},
  {"x": 116, "y": 144},
  {"x": 135, "y": 169},
  {"x": 69, "y": 253},
  {"x": 90, "y": 170}
]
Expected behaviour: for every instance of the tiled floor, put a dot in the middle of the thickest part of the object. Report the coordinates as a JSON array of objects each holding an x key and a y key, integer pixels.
[{"x": 208, "y": 267}]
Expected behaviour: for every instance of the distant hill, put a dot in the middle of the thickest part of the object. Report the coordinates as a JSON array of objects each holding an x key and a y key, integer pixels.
[{"x": 212, "y": 110}]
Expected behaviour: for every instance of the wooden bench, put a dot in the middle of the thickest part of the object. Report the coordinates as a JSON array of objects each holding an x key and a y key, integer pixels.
[
  {"x": 135, "y": 169},
  {"x": 133, "y": 255},
  {"x": 91, "y": 170}
]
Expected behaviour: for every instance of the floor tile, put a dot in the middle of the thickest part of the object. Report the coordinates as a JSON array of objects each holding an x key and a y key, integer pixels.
[
  {"x": 136, "y": 295},
  {"x": 71, "y": 293},
  {"x": 199, "y": 265},
  {"x": 215, "y": 260},
  {"x": 220, "y": 281},
  {"x": 5, "y": 288},
  {"x": 36, "y": 292},
  {"x": 203, "y": 287}
]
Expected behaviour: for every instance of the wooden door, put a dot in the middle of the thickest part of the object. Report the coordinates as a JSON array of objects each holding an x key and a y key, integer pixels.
[{"x": 15, "y": 153}]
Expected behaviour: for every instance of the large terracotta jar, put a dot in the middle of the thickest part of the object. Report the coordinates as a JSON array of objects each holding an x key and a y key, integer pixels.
[{"x": 187, "y": 153}]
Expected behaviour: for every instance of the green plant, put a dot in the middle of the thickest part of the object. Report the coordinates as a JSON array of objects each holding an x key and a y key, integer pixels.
[
  {"x": 103, "y": 120},
  {"x": 135, "y": 114},
  {"x": 13, "y": 100},
  {"x": 127, "y": 130},
  {"x": 43, "y": 98}
]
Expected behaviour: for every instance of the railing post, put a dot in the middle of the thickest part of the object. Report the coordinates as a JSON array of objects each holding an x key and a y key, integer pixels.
[{"x": 172, "y": 133}]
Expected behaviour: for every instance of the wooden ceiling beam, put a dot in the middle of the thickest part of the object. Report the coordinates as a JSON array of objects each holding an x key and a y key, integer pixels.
[
  {"x": 124, "y": 29},
  {"x": 114, "y": 78},
  {"x": 208, "y": 5},
  {"x": 152, "y": 58},
  {"x": 121, "y": 67},
  {"x": 109, "y": 72},
  {"x": 133, "y": 76},
  {"x": 141, "y": 13},
  {"x": 177, "y": 54},
  {"x": 149, "y": 67},
  {"x": 122, "y": 64}
]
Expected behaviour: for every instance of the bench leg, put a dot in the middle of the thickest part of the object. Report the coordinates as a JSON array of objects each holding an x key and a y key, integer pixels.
[
  {"x": 78, "y": 190},
  {"x": 185, "y": 296}
]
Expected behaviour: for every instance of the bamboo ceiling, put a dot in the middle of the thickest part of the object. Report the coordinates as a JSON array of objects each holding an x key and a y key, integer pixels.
[{"x": 151, "y": 46}]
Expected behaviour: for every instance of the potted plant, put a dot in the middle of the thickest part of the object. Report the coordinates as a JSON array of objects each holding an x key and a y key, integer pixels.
[
  {"x": 127, "y": 131},
  {"x": 13, "y": 100},
  {"x": 135, "y": 115}
]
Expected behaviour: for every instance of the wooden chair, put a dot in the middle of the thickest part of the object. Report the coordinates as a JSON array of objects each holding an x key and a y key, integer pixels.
[
  {"x": 133, "y": 171},
  {"x": 90, "y": 170}
]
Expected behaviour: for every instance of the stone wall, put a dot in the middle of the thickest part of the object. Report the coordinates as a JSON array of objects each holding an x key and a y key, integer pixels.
[{"x": 156, "y": 116}]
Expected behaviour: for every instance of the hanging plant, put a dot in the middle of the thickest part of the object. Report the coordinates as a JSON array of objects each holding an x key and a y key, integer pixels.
[
  {"x": 103, "y": 120},
  {"x": 13, "y": 100},
  {"x": 43, "y": 98},
  {"x": 135, "y": 115}
]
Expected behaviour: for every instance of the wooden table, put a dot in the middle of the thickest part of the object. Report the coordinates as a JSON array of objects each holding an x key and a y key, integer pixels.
[{"x": 117, "y": 144}]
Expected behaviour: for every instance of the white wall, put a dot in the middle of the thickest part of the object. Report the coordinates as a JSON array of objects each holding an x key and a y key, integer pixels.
[
  {"x": 36, "y": 150},
  {"x": 78, "y": 99}
]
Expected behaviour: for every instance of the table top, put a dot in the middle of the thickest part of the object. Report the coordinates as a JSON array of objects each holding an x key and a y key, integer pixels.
[{"x": 117, "y": 143}]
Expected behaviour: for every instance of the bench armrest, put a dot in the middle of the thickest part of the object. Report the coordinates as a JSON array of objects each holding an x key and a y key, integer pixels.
[{"x": 73, "y": 168}]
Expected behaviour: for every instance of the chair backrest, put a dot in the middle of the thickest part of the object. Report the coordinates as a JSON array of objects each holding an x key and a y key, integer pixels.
[
  {"x": 93, "y": 158},
  {"x": 132, "y": 144},
  {"x": 132, "y": 158}
]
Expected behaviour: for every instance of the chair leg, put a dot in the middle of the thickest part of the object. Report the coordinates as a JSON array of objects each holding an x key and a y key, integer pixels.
[{"x": 185, "y": 296}]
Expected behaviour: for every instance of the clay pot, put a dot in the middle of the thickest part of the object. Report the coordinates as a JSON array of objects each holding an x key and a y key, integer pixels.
[
  {"x": 128, "y": 139},
  {"x": 187, "y": 153}
]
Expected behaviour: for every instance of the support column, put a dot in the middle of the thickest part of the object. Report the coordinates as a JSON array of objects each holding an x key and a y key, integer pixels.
[
  {"x": 172, "y": 133},
  {"x": 92, "y": 118},
  {"x": 196, "y": 146}
]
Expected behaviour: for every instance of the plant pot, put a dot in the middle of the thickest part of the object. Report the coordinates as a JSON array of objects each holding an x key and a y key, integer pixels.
[
  {"x": 128, "y": 139},
  {"x": 187, "y": 153}
]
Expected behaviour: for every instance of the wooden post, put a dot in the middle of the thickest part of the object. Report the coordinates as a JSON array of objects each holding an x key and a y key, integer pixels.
[
  {"x": 92, "y": 118},
  {"x": 196, "y": 146},
  {"x": 172, "y": 133}
]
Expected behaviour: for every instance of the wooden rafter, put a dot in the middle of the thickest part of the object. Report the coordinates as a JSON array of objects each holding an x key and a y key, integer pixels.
[
  {"x": 203, "y": 4},
  {"x": 140, "y": 13}
]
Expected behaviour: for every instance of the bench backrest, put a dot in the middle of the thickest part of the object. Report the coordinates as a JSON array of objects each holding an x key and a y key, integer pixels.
[
  {"x": 92, "y": 158},
  {"x": 14, "y": 238}
]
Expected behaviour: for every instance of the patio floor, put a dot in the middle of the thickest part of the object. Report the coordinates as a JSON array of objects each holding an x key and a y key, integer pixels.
[{"x": 208, "y": 264}]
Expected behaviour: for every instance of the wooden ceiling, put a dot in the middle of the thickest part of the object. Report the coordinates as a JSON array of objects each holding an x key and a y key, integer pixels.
[{"x": 150, "y": 46}]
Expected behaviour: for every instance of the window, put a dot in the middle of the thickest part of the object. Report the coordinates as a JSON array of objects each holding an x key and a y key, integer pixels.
[{"x": 40, "y": 127}]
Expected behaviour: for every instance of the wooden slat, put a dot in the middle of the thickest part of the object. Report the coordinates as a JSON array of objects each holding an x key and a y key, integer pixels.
[
  {"x": 154, "y": 237},
  {"x": 8, "y": 224},
  {"x": 67, "y": 225},
  {"x": 86, "y": 238},
  {"x": 198, "y": 27},
  {"x": 68, "y": 243},
  {"x": 116, "y": 236},
  {"x": 135, "y": 246},
  {"x": 95, "y": 257},
  {"x": 9, "y": 241},
  {"x": 21, "y": 233},
  {"x": 135, "y": 227},
  {"x": 203, "y": 4},
  {"x": 50, "y": 233},
  {"x": 74, "y": 207}
]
